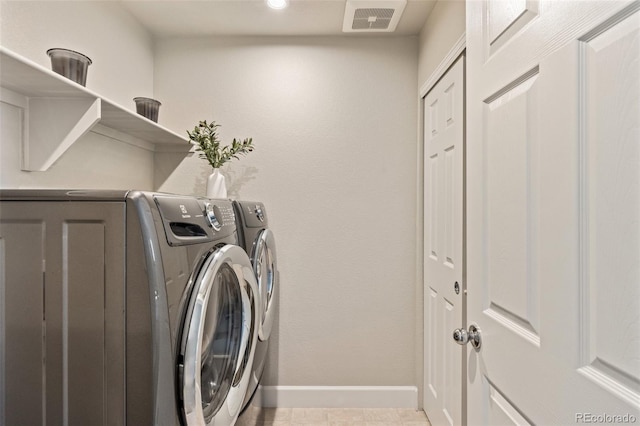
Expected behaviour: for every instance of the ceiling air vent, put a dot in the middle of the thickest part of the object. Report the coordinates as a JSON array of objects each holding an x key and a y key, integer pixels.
[{"x": 372, "y": 15}]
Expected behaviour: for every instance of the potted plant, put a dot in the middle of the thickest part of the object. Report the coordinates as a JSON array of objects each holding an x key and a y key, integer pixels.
[{"x": 205, "y": 137}]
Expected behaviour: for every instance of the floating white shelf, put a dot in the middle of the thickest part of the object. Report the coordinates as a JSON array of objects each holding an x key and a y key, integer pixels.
[{"x": 58, "y": 111}]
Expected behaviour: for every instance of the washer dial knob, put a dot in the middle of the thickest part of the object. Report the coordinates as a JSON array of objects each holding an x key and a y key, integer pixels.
[{"x": 212, "y": 214}]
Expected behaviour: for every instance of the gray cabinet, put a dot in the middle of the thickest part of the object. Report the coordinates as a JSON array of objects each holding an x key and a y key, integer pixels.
[{"x": 62, "y": 304}]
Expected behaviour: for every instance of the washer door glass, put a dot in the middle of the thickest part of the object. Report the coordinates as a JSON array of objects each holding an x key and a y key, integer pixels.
[
  {"x": 216, "y": 338},
  {"x": 265, "y": 266},
  {"x": 221, "y": 341}
]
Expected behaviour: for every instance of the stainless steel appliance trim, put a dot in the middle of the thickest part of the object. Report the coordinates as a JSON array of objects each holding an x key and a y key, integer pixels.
[
  {"x": 163, "y": 365},
  {"x": 237, "y": 258},
  {"x": 265, "y": 267}
]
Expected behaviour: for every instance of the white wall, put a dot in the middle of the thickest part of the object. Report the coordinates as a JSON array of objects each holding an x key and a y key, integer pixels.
[
  {"x": 334, "y": 124},
  {"x": 444, "y": 26},
  {"x": 121, "y": 51},
  {"x": 122, "y": 68}
]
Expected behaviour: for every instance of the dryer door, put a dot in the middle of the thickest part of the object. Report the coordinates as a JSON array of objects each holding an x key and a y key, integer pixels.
[
  {"x": 219, "y": 338},
  {"x": 265, "y": 266}
]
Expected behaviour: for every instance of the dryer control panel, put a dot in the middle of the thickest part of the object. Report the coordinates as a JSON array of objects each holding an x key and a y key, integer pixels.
[
  {"x": 189, "y": 220},
  {"x": 254, "y": 214}
]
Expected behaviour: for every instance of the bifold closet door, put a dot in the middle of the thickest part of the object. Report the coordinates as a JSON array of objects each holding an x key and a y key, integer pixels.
[{"x": 443, "y": 255}]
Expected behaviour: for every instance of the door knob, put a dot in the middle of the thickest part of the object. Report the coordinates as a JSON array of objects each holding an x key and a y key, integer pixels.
[{"x": 462, "y": 336}]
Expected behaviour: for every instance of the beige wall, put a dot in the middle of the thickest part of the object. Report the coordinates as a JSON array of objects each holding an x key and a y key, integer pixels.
[
  {"x": 334, "y": 121},
  {"x": 445, "y": 25},
  {"x": 334, "y": 124},
  {"x": 121, "y": 51},
  {"x": 122, "y": 68}
]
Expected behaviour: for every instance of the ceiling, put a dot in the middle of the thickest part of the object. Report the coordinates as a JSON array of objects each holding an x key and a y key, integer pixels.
[{"x": 196, "y": 18}]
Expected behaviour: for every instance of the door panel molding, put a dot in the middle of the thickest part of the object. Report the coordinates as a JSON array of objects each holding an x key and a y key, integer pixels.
[
  {"x": 505, "y": 19},
  {"x": 609, "y": 294},
  {"x": 553, "y": 197}
]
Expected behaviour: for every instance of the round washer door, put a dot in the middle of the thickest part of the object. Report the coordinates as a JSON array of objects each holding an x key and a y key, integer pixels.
[
  {"x": 265, "y": 266},
  {"x": 219, "y": 339}
]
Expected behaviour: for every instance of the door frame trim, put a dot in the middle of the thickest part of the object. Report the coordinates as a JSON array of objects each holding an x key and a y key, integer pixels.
[{"x": 453, "y": 54}]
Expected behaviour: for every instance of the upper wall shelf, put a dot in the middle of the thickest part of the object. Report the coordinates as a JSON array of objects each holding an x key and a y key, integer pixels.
[{"x": 58, "y": 111}]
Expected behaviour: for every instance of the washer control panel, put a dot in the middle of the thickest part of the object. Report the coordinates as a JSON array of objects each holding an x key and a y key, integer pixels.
[
  {"x": 183, "y": 220},
  {"x": 189, "y": 220},
  {"x": 212, "y": 213},
  {"x": 219, "y": 216}
]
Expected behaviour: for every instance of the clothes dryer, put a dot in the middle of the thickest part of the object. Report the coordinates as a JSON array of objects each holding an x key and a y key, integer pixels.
[
  {"x": 123, "y": 307},
  {"x": 259, "y": 242}
]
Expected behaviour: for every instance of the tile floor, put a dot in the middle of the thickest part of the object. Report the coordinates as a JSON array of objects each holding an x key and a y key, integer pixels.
[{"x": 255, "y": 416}]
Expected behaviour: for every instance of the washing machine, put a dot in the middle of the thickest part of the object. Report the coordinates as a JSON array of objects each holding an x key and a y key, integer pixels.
[
  {"x": 123, "y": 308},
  {"x": 259, "y": 243}
]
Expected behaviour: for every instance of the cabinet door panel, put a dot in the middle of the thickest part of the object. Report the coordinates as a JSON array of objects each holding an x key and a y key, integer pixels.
[{"x": 62, "y": 303}]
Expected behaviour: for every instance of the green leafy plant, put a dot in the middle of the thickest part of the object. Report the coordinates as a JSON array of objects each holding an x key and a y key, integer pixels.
[{"x": 205, "y": 136}]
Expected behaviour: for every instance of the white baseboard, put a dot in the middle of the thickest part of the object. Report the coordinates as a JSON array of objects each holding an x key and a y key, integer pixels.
[{"x": 337, "y": 396}]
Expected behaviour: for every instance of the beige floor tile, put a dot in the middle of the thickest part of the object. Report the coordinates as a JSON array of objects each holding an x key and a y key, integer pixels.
[
  {"x": 254, "y": 422},
  {"x": 255, "y": 416},
  {"x": 309, "y": 415},
  {"x": 410, "y": 415},
  {"x": 274, "y": 415},
  {"x": 384, "y": 415},
  {"x": 245, "y": 421},
  {"x": 345, "y": 415},
  {"x": 250, "y": 413},
  {"x": 347, "y": 423}
]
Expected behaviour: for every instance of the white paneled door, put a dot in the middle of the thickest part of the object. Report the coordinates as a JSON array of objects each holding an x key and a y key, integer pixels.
[
  {"x": 443, "y": 261},
  {"x": 553, "y": 211}
]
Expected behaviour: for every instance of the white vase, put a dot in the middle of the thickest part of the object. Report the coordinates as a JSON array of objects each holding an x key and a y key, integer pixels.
[{"x": 216, "y": 185}]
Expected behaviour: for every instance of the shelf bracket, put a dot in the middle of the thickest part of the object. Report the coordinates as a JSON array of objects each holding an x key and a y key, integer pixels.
[{"x": 53, "y": 125}]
